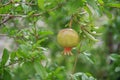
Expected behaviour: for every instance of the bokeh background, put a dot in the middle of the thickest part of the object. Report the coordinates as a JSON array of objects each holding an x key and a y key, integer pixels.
[{"x": 28, "y": 30}]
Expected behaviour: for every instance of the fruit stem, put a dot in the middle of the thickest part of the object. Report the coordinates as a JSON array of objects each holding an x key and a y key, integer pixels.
[
  {"x": 76, "y": 59},
  {"x": 74, "y": 66}
]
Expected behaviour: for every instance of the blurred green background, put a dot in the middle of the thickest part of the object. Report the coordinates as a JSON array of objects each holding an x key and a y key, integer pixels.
[{"x": 29, "y": 49}]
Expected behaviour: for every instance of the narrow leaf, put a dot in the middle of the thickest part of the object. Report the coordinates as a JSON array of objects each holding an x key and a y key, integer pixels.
[
  {"x": 117, "y": 5},
  {"x": 89, "y": 11},
  {"x": 46, "y": 32},
  {"x": 87, "y": 57},
  {"x": 12, "y": 56},
  {"x": 90, "y": 36},
  {"x": 5, "y": 57},
  {"x": 94, "y": 5}
]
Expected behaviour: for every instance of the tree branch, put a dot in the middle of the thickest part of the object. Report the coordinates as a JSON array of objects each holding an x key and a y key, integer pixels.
[
  {"x": 10, "y": 16},
  {"x": 6, "y": 4},
  {"x": 12, "y": 2}
]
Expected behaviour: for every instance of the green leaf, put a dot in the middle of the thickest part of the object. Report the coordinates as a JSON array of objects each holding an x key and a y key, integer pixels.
[
  {"x": 91, "y": 37},
  {"x": 109, "y": 15},
  {"x": 23, "y": 51},
  {"x": 114, "y": 57},
  {"x": 78, "y": 74},
  {"x": 17, "y": 0},
  {"x": 117, "y": 5},
  {"x": 27, "y": 68},
  {"x": 12, "y": 56},
  {"x": 40, "y": 70},
  {"x": 94, "y": 33},
  {"x": 30, "y": 13},
  {"x": 43, "y": 32},
  {"x": 74, "y": 7},
  {"x": 41, "y": 4},
  {"x": 58, "y": 70},
  {"x": 89, "y": 11},
  {"x": 37, "y": 44},
  {"x": 7, "y": 75},
  {"x": 95, "y": 7},
  {"x": 5, "y": 9},
  {"x": 87, "y": 56},
  {"x": 26, "y": 8},
  {"x": 101, "y": 2},
  {"x": 84, "y": 76},
  {"x": 5, "y": 57}
]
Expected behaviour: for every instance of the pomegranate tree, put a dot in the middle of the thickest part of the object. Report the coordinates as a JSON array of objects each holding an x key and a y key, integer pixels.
[{"x": 68, "y": 38}]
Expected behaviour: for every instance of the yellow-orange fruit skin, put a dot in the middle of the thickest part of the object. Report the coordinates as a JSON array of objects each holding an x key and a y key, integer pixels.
[{"x": 68, "y": 38}]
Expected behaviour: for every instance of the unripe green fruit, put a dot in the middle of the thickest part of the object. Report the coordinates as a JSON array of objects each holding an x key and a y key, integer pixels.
[{"x": 68, "y": 38}]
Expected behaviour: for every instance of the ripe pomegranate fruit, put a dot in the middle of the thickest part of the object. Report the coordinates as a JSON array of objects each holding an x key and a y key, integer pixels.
[{"x": 68, "y": 38}]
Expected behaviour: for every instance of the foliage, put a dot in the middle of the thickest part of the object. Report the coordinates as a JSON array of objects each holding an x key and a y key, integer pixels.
[{"x": 34, "y": 24}]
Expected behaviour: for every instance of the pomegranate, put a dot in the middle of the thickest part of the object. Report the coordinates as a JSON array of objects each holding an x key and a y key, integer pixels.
[{"x": 68, "y": 38}]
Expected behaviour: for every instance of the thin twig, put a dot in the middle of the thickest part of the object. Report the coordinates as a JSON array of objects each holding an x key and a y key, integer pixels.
[
  {"x": 6, "y": 4},
  {"x": 12, "y": 2},
  {"x": 36, "y": 14},
  {"x": 33, "y": 15},
  {"x": 74, "y": 66},
  {"x": 35, "y": 32},
  {"x": 76, "y": 59},
  {"x": 16, "y": 61},
  {"x": 10, "y": 15},
  {"x": 6, "y": 19},
  {"x": 3, "y": 34}
]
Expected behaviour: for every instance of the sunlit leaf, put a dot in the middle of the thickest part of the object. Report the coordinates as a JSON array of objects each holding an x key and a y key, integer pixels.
[
  {"x": 91, "y": 37},
  {"x": 114, "y": 57},
  {"x": 116, "y": 5},
  {"x": 101, "y": 2},
  {"x": 43, "y": 32},
  {"x": 41, "y": 4}
]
